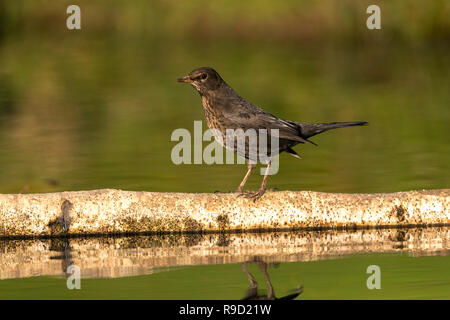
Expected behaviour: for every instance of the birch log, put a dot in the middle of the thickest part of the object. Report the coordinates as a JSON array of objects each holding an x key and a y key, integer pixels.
[{"x": 116, "y": 211}]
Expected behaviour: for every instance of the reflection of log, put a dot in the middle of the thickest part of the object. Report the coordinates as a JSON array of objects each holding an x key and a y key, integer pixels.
[
  {"x": 115, "y": 211},
  {"x": 132, "y": 255}
]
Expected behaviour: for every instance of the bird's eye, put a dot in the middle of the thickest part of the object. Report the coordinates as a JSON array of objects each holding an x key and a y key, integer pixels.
[{"x": 204, "y": 75}]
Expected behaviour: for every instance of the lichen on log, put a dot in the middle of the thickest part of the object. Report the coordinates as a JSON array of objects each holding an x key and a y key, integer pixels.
[{"x": 115, "y": 211}]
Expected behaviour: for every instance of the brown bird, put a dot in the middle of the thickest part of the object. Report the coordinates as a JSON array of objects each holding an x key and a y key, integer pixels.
[{"x": 225, "y": 109}]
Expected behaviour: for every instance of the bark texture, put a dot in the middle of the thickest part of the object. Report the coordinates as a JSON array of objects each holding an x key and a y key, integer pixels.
[{"x": 115, "y": 211}]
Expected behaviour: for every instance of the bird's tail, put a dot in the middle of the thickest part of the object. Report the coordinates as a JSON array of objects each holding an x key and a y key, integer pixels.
[
  {"x": 311, "y": 129},
  {"x": 294, "y": 294}
]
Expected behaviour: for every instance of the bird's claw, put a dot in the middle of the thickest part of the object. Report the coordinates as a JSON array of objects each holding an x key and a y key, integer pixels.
[
  {"x": 241, "y": 193},
  {"x": 255, "y": 195}
]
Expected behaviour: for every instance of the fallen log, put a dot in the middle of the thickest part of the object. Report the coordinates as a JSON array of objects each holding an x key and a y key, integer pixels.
[{"x": 115, "y": 212}]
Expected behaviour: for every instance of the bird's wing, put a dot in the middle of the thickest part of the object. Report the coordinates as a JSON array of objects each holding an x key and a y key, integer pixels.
[{"x": 246, "y": 115}]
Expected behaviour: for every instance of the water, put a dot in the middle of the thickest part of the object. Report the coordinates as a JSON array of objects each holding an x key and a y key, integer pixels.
[
  {"x": 76, "y": 119},
  {"x": 327, "y": 264}
]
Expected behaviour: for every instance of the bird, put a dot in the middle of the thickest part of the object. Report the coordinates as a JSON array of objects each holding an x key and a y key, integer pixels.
[
  {"x": 252, "y": 291},
  {"x": 224, "y": 110}
]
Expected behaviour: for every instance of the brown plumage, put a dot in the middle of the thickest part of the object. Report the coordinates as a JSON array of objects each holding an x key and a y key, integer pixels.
[{"x": 225, "y": 109}]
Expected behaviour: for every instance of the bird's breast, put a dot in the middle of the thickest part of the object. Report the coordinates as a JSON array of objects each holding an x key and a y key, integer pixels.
[
  {"x": 214, "y": 118},
  {"x": 216, "y": 121}
]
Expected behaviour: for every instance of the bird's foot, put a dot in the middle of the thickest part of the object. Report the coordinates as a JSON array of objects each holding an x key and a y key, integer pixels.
[
  {"x": 245, "y": 193},
  {"x": 241, "y": 193},
  {"x": 255, "y": 195}
]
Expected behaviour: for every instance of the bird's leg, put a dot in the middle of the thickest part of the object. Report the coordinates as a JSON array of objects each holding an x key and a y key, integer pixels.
[
  {"x": 251, "y": 167},
  {"x": 251, "y": 279},
  {"x": 258, "y": 194},
  {"x": 252, "y": 291},
  {"x": 271, "y": 292}
]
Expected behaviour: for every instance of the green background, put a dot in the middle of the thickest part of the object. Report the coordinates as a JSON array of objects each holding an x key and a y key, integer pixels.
[{"x": 95, "y": 108}]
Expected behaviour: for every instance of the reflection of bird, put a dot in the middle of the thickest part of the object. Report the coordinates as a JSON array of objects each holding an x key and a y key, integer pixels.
[
  {"x": 252, "y": 291},
  {"x": 225, "y": 109}
]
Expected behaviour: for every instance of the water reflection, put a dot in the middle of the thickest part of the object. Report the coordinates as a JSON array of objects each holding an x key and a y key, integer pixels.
[
  {"x": 252, "y": 291},
  {"x": 64, "y": 252},
  {"x": 134, "y": 255}
]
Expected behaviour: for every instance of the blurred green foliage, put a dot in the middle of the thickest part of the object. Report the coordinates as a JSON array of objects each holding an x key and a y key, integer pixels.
[
  {"x": 95, "y": 108},
  {"x": 304, "y": 21}
]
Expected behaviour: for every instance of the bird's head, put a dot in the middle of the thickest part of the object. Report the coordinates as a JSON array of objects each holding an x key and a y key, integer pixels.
[{"x": 203, "y": 80}]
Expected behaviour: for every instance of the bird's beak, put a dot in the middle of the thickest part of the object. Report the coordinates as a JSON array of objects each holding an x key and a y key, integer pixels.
[{"x": 184, "y": 79}]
